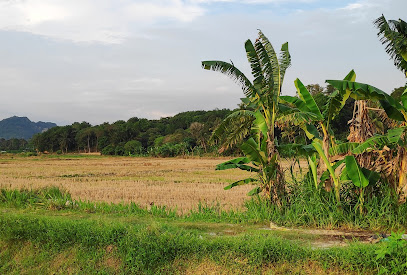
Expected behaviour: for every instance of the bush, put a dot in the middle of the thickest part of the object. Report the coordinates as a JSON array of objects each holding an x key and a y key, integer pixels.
[
  {"x": 109, "y": 150},
  {"x": 119, "y": 150},
  {"x": 133, "y": 147},
  {"x": 170, "y": 150}
]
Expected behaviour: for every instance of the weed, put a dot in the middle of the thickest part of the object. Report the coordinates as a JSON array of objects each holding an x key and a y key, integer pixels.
[{"x": 391, "y": 251}]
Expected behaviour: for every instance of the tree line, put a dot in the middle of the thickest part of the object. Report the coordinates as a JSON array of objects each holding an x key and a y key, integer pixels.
[
  {"x": 186, "y": 132},
  {"x": 13, "y": 144}
]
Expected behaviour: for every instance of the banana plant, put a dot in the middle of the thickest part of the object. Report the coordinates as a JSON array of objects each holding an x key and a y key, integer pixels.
[
  {"x": 255, "y": 122},
  {"x": 256, "y": 161},
  {"x": 360, "y": 177},
  {"x": 390, "y": 148},
  {"x": 392, "y": 164},
  {"x": 302, "y": 111}
]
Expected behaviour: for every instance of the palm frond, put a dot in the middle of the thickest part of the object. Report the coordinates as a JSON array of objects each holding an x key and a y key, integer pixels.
[
  {"x": 393, "y": 34},
  {"x": 230, "y": 70}
]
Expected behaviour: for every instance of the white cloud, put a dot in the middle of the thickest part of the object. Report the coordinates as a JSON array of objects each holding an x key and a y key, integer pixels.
[
  {"x": 105, "y": 21},
  {"x": 353, "y": 6},
  {"x": 253, "y": 1},
  {"x": 362, "y": 10}
]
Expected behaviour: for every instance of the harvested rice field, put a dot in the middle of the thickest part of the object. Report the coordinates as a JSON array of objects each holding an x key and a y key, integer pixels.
[{"x": 173, "y": 182}]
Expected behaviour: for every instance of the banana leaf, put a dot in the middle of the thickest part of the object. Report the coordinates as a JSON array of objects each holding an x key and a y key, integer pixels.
[
  {"x": 394, "y": 135},
  {"x": 404, "y": 98},
  {"x": 342, "y": 149},
  {"x": 237, "y": 163},
  {"x": 372, "y": 176},
  {"x": 375, "y": 142},
  {"x": 251, "y": 149},
  {"x": 325, "y": 174},
  {"x": 307, "y": 99},
  {"x": 240, "y": 182},
  {"x": 240, "y": 160},
  {"x": 260, "y": 123},
  {"x": 318, "y": 147},
  {"x": 254, "y": 61},
  {"x": 355, "y": 172},
  {"x": 254, "y": 191},
  {"x": 313, "y": 167},
  {"x": 295, "y": 150},
  {"x": 361, "y": 91}
]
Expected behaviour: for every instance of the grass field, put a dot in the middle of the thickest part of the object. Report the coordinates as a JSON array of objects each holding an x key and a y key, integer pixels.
[
  {"x": 173, "y": 182},
  {"x": 37, "y": 238},
  {"x": 46, "y": 231}
]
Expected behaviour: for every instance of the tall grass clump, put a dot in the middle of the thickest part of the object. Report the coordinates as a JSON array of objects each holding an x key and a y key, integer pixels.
[
  {"x": 311, "y": 207},
  {"x": 49, "y": 197},
  {"x": 305, "y": 207}
]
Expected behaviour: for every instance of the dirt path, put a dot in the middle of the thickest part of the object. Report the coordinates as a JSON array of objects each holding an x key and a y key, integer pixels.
[{"x": 323, "y": 238}]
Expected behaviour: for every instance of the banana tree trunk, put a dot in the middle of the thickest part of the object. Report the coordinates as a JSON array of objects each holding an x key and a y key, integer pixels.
[
  {"x": 402, "y": 180},
  {"x": 276, "y": 186},
  {"x": 360, "y": 129},
  {"x": 322, "y": 167}
]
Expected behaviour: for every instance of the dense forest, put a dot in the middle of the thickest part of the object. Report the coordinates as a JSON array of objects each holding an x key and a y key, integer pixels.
[{"x": 184, "y": 133}]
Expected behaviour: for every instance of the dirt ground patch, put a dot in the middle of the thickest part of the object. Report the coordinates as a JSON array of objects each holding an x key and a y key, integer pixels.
[{"x": 323, "y": 238}]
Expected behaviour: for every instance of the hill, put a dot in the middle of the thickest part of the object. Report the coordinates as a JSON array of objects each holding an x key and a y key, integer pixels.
[{"x": 22, "y": 127}]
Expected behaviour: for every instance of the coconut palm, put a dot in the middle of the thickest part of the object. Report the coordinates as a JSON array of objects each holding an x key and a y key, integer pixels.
[
  {"x": 393, "y": 34},
  {"x": 257, "y": 117}
]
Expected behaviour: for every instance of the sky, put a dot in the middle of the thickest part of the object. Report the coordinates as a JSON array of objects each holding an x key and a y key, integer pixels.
[{"x": 107, "y": 60}]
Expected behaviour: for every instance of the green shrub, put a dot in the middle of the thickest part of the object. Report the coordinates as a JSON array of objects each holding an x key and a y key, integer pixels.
[
  {"x": 133, "y": 147},
  {"x": 109, "y": 150},
  {"x": 119, "y": 149}
]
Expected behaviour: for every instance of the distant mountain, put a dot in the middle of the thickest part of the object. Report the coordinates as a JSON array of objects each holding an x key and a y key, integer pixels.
[{"x": 22, "y": 127}]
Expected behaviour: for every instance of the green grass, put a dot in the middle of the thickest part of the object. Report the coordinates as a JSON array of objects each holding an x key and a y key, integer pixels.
[
  {"x": 44, "y": 231},
  {"x": 142, "y": 245},
  {"x": 305, "y": 208},
  {"x": 148, "y": 247}
]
